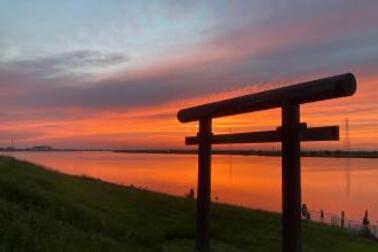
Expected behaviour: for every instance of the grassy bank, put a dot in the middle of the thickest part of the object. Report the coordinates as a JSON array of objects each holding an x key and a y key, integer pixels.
[{"x": 42, "y": 210}]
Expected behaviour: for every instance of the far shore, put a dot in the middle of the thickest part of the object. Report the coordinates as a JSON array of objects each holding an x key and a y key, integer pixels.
[{"x": 268, "y": 153}]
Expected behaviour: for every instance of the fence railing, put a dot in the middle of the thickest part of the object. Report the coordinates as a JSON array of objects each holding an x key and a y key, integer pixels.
[{"x": 352, "y": 226}]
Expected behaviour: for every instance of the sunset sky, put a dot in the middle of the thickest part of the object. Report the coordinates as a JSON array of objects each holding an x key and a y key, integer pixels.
[{"x": 113, "y": 74}]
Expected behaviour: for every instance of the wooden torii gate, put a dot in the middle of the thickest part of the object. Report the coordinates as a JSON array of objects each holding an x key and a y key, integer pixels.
[{"x": 289, "y": 134}]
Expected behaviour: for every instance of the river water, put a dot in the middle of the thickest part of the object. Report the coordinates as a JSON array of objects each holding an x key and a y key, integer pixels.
[{"x": 330, "y": 184}]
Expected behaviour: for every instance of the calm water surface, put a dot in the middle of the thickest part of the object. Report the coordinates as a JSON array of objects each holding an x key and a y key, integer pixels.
[{"x": 331, "y": 184}]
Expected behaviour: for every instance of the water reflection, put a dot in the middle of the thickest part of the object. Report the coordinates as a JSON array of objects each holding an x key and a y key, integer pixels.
[
  {"x": 248, "y": 181},
  {"x": 347, "y": 175}
]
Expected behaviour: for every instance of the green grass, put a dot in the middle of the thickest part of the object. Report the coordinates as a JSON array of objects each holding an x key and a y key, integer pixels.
[{"x": 42, "y": 210}]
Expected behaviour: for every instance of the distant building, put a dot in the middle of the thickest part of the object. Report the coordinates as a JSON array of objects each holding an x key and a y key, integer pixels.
[
  {"x": 41, "y": 148},
  {"x": 9, "y": 148}
]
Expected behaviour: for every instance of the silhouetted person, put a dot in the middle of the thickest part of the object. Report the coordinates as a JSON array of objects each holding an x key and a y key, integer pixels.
[
  {"x": 365, "y": 225},
  {"x": 365, "y": 220},
  {"x": 342, "y": 219},
  {"x": 321, "y": 215},
  {"x": 190, "y": 195},
  {"x": 304, "y": 210}
]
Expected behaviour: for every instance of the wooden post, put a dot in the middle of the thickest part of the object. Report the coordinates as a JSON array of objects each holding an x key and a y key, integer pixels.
[
  {"x": 204, "y": 184},
  {"x": 291, "y": 179}
]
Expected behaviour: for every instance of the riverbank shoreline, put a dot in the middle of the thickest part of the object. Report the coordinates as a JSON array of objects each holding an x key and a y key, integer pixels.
[
  {"x": 263, "y": 153},
  {"x": 43, "y": 210}
]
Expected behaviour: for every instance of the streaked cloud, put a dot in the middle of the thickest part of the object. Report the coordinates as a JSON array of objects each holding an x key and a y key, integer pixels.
[
  {"x": 72, "y": 64},
  {"x": 75, "y": 63}
]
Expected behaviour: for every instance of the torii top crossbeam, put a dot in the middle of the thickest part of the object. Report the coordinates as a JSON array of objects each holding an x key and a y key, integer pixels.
[
  {"x": 290, "y": 134},
  {"x": 312, "y": 91}
]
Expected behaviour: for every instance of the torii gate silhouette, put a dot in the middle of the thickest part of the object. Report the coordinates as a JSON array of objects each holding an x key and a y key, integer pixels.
[{"x": 291, "y": 132}]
